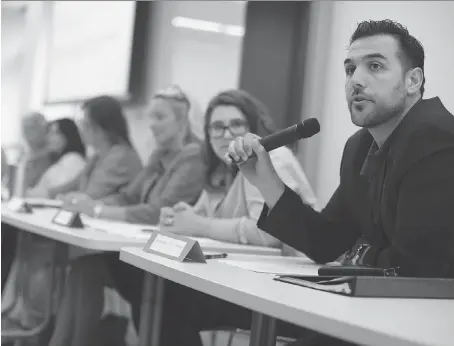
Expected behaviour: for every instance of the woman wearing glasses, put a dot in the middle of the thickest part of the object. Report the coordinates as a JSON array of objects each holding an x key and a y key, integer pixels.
[
  {"x": 174, "y": 172},
  {"x": 230, "y": 206}
]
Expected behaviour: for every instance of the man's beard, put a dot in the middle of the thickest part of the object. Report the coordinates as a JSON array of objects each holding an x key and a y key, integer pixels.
[
  {"x": 383, "y": 112},
  {"x": 380, "y": 115}
]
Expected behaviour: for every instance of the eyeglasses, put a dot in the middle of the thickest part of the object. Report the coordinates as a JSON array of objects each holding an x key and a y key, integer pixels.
[{"x": 236, "y": 128}]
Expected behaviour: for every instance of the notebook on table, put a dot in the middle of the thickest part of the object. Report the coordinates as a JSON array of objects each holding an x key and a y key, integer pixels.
[{"x": 376, "y": 286}]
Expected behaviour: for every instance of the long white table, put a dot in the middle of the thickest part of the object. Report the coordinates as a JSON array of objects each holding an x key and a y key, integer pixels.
[
  {"x": 366, "y": 321},
  {"x": 85, "y": 241},
  {"x": 112, "y": 236},
  {"x": 39, "y": 223},
  {"x": 108, "y": 235}
]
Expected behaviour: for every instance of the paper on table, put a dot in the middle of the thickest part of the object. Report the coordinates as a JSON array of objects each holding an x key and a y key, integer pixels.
[
  {"x": 133, "y": 231},
  {"x": 277, "y": 268}
]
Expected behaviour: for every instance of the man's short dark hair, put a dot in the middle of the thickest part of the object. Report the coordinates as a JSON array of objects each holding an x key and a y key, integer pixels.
[{"x": 412, "y": 51}]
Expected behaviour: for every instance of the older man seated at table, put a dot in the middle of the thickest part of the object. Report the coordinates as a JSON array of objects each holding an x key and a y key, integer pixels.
[{"x": 34, "y": 130}]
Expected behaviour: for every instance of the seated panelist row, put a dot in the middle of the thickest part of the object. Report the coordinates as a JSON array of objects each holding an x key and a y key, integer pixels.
[
  {"x": 55, "y": 163},
  {"x": 59, "y": 156},
  {"x": 181, "y": 172},
  {"x": 114, "y": 175}
]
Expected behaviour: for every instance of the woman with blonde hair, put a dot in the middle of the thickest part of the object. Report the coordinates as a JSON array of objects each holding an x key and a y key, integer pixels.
[{"x": 174, "y": 172}]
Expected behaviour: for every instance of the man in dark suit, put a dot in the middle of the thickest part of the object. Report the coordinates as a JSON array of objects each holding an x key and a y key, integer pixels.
[{"x": 397, "y": 173}]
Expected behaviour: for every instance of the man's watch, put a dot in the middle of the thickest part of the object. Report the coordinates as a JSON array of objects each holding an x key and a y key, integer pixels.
[{"x": 97, "y": 210}]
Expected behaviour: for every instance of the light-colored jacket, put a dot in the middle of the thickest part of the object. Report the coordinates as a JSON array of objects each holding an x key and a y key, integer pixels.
[
  {"x": 238, "y": 209},
  {"x": 67, "y": 168}
]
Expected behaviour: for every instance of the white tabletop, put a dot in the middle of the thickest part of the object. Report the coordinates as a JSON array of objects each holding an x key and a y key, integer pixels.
[
  {"x": 39, "y": 222},
  {"x": 368, "y": 321},
  {"x": 104, "y": 235}
]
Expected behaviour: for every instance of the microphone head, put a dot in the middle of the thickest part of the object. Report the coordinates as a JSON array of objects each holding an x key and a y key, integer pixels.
[{"x": 309, "y": 127}]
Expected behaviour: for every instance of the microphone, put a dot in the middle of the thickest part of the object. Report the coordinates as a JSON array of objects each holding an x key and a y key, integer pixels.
[{"x": 305, "y": 129}]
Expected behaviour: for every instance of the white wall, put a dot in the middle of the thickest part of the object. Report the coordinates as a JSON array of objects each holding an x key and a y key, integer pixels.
[
  {"x": 202, "y": 62},
  {"x": 89, "y": 58},
  {"x": 23, "y": 64},
  {"x": 13, "y": 27},
  {"x": 430, "y": 22}
]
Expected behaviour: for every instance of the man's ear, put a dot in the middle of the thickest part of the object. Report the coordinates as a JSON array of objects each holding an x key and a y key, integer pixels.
[{"x": 414, "y": 80}]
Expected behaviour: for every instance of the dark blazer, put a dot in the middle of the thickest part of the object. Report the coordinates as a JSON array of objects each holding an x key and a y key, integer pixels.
[{"x": 401, "y": 200}]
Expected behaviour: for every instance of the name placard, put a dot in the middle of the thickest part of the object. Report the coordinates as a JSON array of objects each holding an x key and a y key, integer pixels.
[
  {"x": 19, "y": 205},
  {"x": 174, "y": 247},
  {"x": 68, "y": 219}
]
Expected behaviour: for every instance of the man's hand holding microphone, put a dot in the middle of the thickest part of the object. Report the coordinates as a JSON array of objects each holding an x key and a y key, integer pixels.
[
  {"x": 258, "y": 170},
  {"x": 250, "y": 153}
]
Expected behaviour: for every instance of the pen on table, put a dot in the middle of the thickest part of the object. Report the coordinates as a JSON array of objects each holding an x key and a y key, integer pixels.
[{"x": 216, "y": 256}]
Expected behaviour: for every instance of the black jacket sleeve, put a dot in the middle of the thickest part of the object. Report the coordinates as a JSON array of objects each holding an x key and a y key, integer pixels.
[{"x": 322, "y": 236}]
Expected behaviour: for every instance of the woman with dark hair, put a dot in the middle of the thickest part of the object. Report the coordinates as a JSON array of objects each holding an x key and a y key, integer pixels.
[
  {"x": 107, "y": 113},
  {"x": 114, "y": 163},
  {"x": 229, "y": 206},
  {"x": 67, "y": 153}
]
